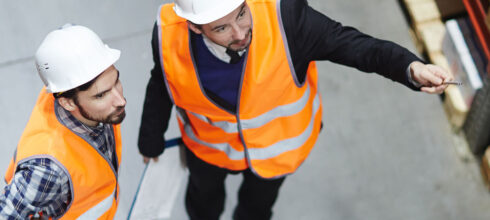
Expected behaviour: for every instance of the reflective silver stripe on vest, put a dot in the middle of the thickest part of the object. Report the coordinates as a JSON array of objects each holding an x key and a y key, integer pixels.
[
  {"x": 287, "y": 144},
  {"x": 258, "y": 153},
  {"x": 225, "y": 147},
  {"x": 259, "y": 121},
  {"x": 99, "y": 209},
  {"x": 228, "y": 127}
]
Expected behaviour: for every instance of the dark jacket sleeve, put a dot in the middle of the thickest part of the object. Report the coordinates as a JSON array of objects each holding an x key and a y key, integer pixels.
[
  {"x": 156, "y": 108},
  {"x": 314, "y": 36}
]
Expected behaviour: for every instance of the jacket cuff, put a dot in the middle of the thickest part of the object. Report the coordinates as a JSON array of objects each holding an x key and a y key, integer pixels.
[{"x": 151, "y": 148}]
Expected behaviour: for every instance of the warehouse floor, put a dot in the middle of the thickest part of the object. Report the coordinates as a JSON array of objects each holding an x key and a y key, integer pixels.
[{"x": 385, "y": 152}]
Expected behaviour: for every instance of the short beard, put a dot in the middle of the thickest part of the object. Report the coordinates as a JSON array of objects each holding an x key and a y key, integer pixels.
[
  {"x": 107, "y": 120},
  {"x": 249, "y": 34}
]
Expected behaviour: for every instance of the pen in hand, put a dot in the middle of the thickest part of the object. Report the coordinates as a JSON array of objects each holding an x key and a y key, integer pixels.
[{"x": 452, "y": 83}]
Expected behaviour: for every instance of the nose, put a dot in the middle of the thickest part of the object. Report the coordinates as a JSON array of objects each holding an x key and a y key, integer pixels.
[
  {"x": 238, "y": 32},
  {"x": 119, "y": 99}
]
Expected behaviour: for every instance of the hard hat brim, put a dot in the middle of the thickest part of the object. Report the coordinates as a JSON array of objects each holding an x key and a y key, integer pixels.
[{"x": 210, "y": 15}]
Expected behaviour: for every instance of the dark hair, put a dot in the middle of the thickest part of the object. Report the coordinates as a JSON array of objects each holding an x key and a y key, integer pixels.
[
  {"x": 72, "y": 93},
  {"x": 198, "y": 26}
]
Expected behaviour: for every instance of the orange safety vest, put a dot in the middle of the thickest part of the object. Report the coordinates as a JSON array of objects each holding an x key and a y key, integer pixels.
[
  {"x": 278, "y": 119},
  {"x": 93, "y": 180}
]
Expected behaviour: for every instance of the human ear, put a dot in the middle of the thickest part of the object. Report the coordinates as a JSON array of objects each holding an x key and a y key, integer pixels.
[
  {"x": 194, "y": 28},
  {"x": 67, "y": 103}
]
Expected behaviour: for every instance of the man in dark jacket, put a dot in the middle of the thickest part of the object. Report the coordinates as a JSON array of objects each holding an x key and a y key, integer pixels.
[{"x": 208, "y": 62}]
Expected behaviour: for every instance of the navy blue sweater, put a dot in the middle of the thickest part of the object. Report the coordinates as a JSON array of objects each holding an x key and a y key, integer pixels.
[{"x": 220, "y": 80}]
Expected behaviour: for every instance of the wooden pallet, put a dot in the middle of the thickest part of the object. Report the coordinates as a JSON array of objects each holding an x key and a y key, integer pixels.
[
  {"x": 429, "y": 31},
  {"x": 455, "y": 107},
  {"x": 422, "y": 10}
]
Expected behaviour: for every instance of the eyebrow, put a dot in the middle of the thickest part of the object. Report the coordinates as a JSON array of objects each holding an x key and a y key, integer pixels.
[
  {"x": 217, "y": 27},
  {"x": 241, "y": 10},
  {"x": 107, "y": 90}
]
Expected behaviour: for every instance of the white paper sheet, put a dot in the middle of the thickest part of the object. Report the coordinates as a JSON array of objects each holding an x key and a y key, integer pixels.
[{"x": 159, "y": 187}]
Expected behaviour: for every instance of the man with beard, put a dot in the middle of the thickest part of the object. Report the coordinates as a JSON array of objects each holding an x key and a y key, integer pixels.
[
  {"x": 66, "y": 162},
  {"x": 244, "y": 82}
]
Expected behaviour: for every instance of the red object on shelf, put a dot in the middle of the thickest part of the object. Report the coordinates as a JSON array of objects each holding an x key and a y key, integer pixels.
[{"x": 477, "y": 13}]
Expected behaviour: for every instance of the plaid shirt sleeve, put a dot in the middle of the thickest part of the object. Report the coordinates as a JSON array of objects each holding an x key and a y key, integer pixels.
[{"x": 39, "y": 185}]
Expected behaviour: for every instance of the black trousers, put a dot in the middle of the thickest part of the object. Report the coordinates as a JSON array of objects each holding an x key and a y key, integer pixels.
[{"x": 205, "y": 196}]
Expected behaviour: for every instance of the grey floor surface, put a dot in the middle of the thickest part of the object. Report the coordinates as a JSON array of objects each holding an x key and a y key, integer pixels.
[{"x": 385, "y": 152}]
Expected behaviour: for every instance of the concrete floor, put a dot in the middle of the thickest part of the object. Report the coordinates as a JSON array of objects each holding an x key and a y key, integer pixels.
[{"x": 385, "y": 152}]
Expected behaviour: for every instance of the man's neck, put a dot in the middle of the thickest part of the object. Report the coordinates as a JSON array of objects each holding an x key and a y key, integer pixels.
[
  {"x": 73, "y": 123},
  {"x": 219, "y": 51}
]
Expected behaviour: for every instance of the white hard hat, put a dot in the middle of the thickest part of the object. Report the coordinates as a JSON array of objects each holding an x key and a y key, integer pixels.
[
  {"x": 72, "y": 56},
  {"x": 205, "y": 11}
]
